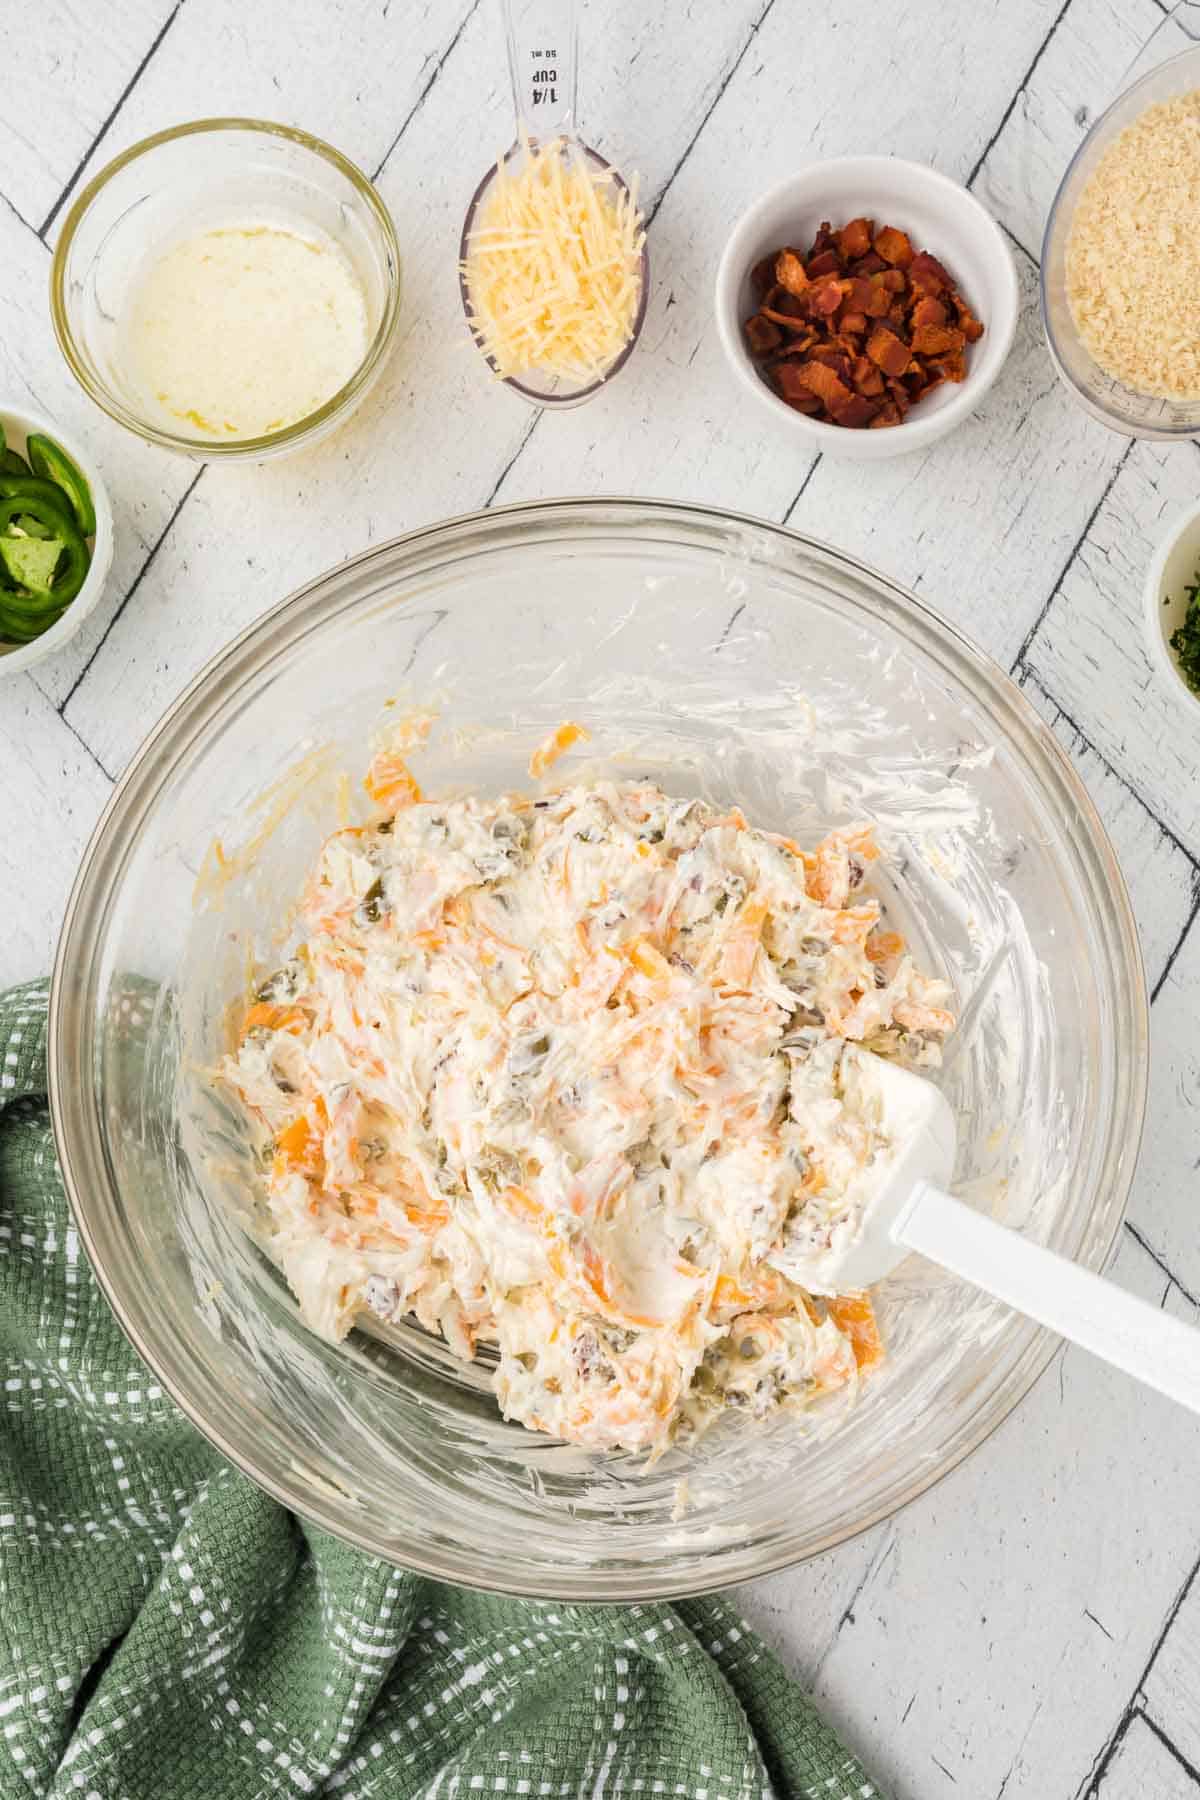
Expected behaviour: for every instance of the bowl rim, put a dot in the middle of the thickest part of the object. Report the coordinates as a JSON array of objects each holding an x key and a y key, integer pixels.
[
  {"x": 206, "y": 449},
  {"x": 1095, "y": 408},
  {"x": 25, "y": 656},
  {"x": 74, "y": 981},
  {"x": 912, "y": 433},
  {"x": 1161, "y": 654}
]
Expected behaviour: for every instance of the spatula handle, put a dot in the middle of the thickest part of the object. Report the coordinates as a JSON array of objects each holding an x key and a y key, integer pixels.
[{"x": 1092, "y": 1312}]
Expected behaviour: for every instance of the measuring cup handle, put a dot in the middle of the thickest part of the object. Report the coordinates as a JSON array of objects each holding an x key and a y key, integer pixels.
[{"x": 543, "y": 56}]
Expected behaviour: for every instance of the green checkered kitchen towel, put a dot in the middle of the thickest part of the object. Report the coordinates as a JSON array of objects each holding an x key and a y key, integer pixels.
[{"x": 168, "y": 1630}]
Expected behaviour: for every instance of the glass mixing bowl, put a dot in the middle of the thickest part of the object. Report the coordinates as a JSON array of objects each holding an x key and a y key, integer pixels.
[{"x": 722, "y": 656}]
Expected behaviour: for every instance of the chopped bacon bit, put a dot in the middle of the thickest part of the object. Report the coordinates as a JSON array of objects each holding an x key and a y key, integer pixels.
[
  {"x": 762, "y": 277},
  {"x": 928, "y": 312},
  {"x": 854, "y": 239},
  {"x": 793, "y": 306},
  {"x": 856, "y": 412},
  {"x": 789, "y": 378},
  {"x": 859, "y": 329},
  {"x": 928, "y": 274},
  {"x": 894, "y": 246},
  {"x": 867, "y": 377},
  {"x": 825, "y": 383},
  {"x": 827, "y": 297},
  {"x": 936, "y": 340},
  {"x": 789, "y": 321},
  {"x": 890, "y": 352},
  {"x": 789, "y": 273},
  {"x": 951, "y": 368},
  {"x": 969, "y": 325},
  {"x": 762, "y": 335},
  {"x": 824, "y": 240},
  {"x": 834, "y": 359}
]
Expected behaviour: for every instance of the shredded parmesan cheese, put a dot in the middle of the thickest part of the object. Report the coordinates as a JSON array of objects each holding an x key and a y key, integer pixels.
[
  {"x": 553, "y": 267},
  {"x": 1133, "y": 256}
]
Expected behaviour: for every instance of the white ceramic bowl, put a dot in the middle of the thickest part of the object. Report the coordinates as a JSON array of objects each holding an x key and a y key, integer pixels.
[
  {"x": 939, "y": 216},
  {"x": 1172, "y": 571},
  {"x": 19, "y": 425}
]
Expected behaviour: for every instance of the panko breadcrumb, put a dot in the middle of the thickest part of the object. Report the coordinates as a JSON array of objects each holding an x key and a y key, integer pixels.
[{"x": 1133, "y": 255}]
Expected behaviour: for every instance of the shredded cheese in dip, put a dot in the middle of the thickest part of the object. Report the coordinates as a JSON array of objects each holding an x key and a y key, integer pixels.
[{"x": 563, "y": 1075}]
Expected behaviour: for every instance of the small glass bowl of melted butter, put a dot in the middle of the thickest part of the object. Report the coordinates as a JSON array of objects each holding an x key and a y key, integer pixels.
[{"x": 229, "y": 288}]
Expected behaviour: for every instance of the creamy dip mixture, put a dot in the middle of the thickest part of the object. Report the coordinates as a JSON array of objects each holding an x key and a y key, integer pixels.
[
  {"x": 243, "y": 330},
  {"x": 564, "y": 1074}
]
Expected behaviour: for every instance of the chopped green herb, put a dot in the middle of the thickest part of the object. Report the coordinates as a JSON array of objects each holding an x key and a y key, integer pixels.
[{"x": 1185, "y": 640}]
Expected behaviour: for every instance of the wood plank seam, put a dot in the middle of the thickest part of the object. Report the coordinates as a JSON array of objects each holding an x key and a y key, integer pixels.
[
  {"x": 17, "y": 214},
  {"x": 122, "y": 97},
  {"x": 188, "y": 491},
  {"x": 83, "y": 743},
  {"x": 884, "y": 1549},
  {"x": 813, "y": 466},
  {"x": 1090, "y": 1788},
  {"x": 1027, "y": 677},
  {"x": 1180, "y": 940},
  {"x": 1158, "y": 1262},
  {"x": 1021, "y": 86},
  {"x": 425, "y": 91},
  {"x": 1151, "y": 1724},
  {"x": 1018, "y": 663}
]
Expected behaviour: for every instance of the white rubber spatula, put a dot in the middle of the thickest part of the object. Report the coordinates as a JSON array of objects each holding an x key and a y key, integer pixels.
[{"x": 907, "y": 1209}]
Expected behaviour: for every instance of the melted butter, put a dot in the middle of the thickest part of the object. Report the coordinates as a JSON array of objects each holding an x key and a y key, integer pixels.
[{"x": 242, "y": 331}]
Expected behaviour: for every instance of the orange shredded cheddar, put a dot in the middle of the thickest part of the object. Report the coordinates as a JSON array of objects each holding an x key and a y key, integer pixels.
[
  {"x": 264, "y": 1017},
  {"x": 560, "y": 739},
  {"x": 391, "y": 783},
  {"x": 854, "y": 1315}
]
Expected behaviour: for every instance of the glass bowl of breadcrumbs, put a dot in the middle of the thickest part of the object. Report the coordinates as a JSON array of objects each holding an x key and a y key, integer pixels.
[{"x": 1121, "y": 255}]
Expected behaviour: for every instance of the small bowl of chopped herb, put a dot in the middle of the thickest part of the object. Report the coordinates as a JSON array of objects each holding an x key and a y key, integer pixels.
[
  {"x": 1172, "y": 606},
  {"x": 56, "y": 538}
]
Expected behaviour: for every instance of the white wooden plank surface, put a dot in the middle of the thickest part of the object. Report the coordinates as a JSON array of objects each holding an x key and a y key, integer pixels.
[
  {"x": 1076, "y": 77},
  {"x": 1089, "y": 652},
  {"x": 46, "y": 818},
  {"x": 1144, "y": 1768},
  {"x": 1163, "y": 882},
  {"x": 1165, "y": 1205},
  {"x": 994, "y": 1639},
  {"x": 345, "y": 70},
  {"x": 1171, "y": 1689},
  {"x": 70, "y": 63}
]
